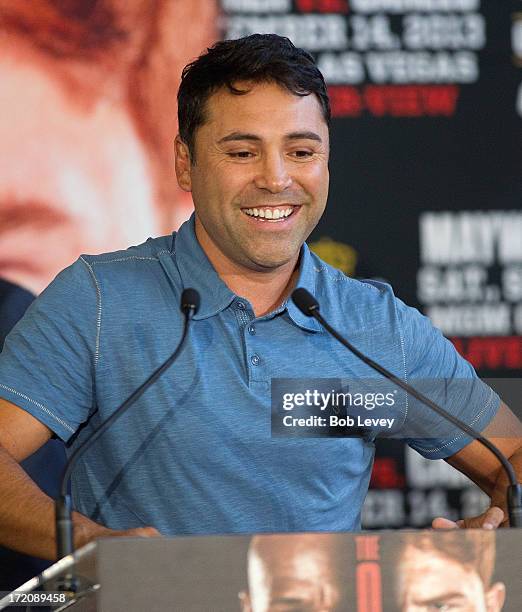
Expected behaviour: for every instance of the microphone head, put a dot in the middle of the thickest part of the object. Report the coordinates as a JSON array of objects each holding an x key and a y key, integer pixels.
[
  {"x": 305, "y": 301},
  {"x": 190, "y": 301}
]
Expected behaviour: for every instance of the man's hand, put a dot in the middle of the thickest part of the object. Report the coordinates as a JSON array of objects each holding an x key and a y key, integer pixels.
[
  {"x": 86, "y": 531},
  {"x": 138, "y": 532},
  {"x": 491, "y": 519},
  {"x": 484, "y": 469}
]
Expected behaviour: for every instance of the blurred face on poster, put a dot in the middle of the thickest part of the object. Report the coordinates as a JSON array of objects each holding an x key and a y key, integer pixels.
[
  {"x": 87, "y": 121},
  {"x": 430, "y": 581},
  {"x": 295, "y": 573}
]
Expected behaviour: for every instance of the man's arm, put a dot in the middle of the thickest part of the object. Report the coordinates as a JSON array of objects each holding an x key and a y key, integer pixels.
[
  {"x": 26, "y": 512},
  {"x": 481, "y": 466}
]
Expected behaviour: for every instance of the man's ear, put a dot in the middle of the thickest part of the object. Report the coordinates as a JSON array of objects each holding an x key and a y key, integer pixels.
[
  {"x": 495, "y": 597},
  {"x": 244, "y": 598},
  {"x": 183, "y": 164}
]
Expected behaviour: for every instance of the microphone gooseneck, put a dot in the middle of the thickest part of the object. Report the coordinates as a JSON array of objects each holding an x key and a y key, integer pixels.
[
  {"x": 189, "y": 304},
  {"x": 309, "y": 306}
]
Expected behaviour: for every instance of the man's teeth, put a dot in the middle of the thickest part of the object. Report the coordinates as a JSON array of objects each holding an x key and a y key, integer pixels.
[{"x": 269, "y": 213}]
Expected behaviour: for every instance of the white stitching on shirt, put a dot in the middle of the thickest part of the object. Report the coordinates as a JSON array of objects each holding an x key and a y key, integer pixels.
[
  {"x": 99, "y": 297},
  {"x": 96, "y": 263},
  {"x": 41, "y": 406},
  {"x": 344, "y": 277},
  {"x": 98, "y": 313},
  {"x": 401, "y": 335},
  {"x": 486, "y": 406}
]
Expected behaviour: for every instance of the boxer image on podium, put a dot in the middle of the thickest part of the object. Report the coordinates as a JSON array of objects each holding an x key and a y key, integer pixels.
[
  {"x": 195, "y": 454},
  {"x": 439, "y": 571},
  {"x": 298, "y": 572}
]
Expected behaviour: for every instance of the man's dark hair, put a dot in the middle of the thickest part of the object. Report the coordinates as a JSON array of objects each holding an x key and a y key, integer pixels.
[{"x": 259, "y": 58}]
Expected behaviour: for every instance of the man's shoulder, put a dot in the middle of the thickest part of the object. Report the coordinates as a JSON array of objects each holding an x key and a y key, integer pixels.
[
  {"x": 150, "y": 250},
  {"x": 141, "y": 267},
  {"x": 331, "y": 279},
  {"x": 356, "y": 304}
]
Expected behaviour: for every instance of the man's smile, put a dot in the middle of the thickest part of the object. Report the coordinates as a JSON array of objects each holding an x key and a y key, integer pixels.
[{"x": 272, "y": 214}]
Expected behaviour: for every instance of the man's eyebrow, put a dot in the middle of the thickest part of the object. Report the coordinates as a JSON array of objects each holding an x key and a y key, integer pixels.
[
  {"x": 234, "y": 136},
  {"x": 443, "y": 598},
  {"x": 303, "y": 136},
  {"x": 239, "y": 136}
]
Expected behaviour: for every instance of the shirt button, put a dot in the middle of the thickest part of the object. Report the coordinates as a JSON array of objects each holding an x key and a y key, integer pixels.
[
  {"x": 251, "y": 330},
  {"x": 241, "y": 305},
  {"x": 254, "y": 360}
]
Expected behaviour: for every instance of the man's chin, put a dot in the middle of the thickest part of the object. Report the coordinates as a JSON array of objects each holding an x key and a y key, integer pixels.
[{"x": 273, "y": 264}]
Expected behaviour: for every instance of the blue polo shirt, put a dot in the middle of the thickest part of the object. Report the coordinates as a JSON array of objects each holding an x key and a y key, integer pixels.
[{"x": 195, "y": 454}]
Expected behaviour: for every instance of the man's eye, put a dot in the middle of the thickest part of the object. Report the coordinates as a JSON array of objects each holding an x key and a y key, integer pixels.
[
  {"x": 302, "y": 153},
  {"x": 441, "y": 606},
  {"x": 290, "y": 604},
  {"x": 241, "y": 154}
]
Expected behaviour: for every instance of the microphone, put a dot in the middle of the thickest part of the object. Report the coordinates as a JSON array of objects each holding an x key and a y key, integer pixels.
[
  {"x": 309, "y": 306},
  {"x": 190, "y": 302},
  {"x": 63, "y": 506}
]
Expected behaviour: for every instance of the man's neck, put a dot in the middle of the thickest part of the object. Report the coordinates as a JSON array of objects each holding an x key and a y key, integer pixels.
[{"x": 265, "y": 290}]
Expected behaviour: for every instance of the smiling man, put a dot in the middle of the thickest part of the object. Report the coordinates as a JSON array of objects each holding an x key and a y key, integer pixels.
[
  {"x": 195, "y": 454},
  {"x": 258, "y": 173}
]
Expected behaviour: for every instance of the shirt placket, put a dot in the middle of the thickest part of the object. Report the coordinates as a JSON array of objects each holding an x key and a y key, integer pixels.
[{"x": 256, "y": 363}]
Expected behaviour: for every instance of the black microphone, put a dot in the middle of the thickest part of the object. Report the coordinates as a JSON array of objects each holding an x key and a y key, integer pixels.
[
  {"x": 63, "y": 507},
  {"x": 309, "y": 306},
  {"x": 189, "y": 302}
]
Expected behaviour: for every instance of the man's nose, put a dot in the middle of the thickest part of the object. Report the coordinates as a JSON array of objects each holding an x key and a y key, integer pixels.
[{"x": 273, "y": 174}]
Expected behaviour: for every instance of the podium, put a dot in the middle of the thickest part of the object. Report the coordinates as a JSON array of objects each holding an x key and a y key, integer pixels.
[{"x": 363, "y": 572}]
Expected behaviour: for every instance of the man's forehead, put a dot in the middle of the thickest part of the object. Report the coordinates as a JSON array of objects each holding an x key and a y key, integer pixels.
[
  {"x": 420, "y": 568},
  {"x": 287, "y": 559},
  {"x": 261, "y": 105}
]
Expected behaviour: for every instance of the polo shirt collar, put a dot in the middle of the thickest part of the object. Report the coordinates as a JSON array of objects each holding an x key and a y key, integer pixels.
[
  {"x": 306, "y": 280},
  {"x": 197, "y": 272}
]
